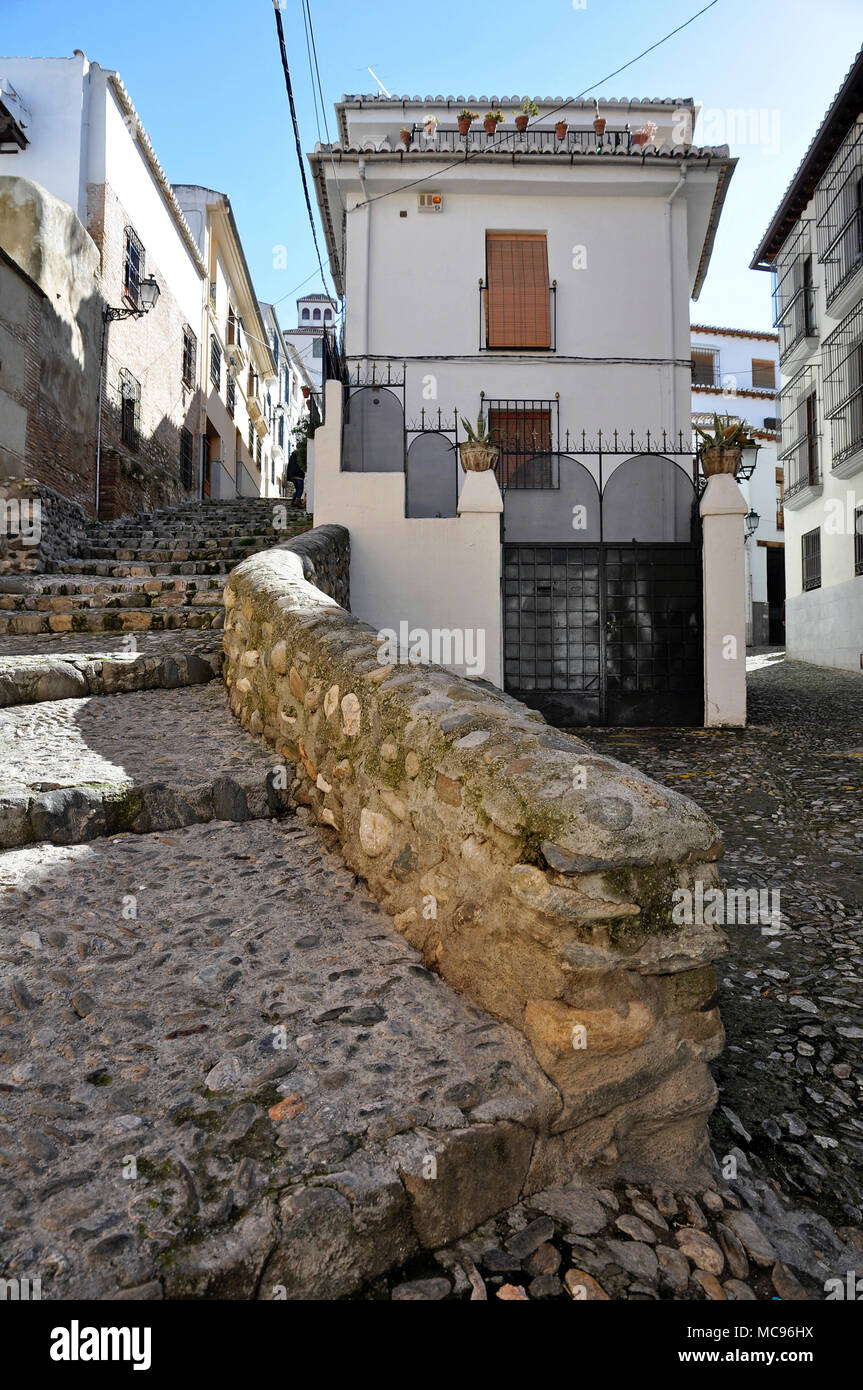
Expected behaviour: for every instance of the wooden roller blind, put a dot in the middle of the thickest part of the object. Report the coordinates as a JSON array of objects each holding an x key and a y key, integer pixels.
[{"x": 517, "y": 305}]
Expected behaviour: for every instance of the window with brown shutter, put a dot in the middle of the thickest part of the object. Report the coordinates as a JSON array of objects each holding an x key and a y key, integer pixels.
[
  {"x": 763, "y": 374},
  {"x": 705, "y": 367},
  {"x": 517, "y": 304},
  {"x": 523, "y": 436}
]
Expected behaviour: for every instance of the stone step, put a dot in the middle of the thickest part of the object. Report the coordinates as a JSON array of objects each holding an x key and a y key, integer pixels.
[
  {"x": 137, "y": 597},
  {"x": 125, "y": 569},
  {"x": 77, "y": 769},
  {"x": 158, "y": 661},
  {"x": 174, "y": 551},
  {"x": 157, "y": 619}
]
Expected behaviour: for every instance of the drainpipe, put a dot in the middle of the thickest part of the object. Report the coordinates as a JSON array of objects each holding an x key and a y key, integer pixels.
[
  {"x": 669, "y": 200},
  {"x": 361, "y": 169}
]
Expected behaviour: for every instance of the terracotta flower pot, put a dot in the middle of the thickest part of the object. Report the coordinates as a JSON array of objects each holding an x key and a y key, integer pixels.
[
  {"x": 640, "y": 138},
  {"x": 521, "y": 122},
  {"x": 599, "y": 125},
  {"x": 478, "y": 458},
  {"x": 560, "y": 130},
  {"x": 405, "y": 137},
  {"x": 464, "y": 125},
  {"x": 720, "y": 459}
]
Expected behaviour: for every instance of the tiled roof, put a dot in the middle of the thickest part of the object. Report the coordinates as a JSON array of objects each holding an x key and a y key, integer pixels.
[
  {"x": 839, "y": 117},
  {"x": 378, "y": 99},
  {"x": 545, "y": 152},
  {"x": 733, "y": 332}
]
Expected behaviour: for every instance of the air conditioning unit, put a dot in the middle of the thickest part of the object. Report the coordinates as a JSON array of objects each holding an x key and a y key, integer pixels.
[{"x": 429, "y": 202}]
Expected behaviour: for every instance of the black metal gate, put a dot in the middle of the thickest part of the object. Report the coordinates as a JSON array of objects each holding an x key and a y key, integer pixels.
[{"x": 605, "y": 634}]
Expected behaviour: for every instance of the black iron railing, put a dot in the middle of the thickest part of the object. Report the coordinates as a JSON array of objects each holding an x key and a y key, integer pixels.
[{"x": 484, "y": 344}]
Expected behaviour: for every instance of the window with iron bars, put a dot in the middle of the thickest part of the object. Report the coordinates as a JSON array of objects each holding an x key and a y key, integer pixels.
[
  {"x": 843, "y": 385},
  {"x": 251, "y": 440},
  {"x": 258, "y": 452},
  {"x": 780, "y": 493},
  {"x": 190, "y": 357},
  {"x": 858, "y": 539},
  {"x": 527, "y": 434},
  {"x": 231, "y": 400},
  {"x": 794, "y": 289},
  {"x": 215, "y": 362},
  {"x": 799, "y": 448},
  {"x": 130, "y": 409},
  {"x": 839, "y": 214},
  {"x": 811, "y": 548},
  {"x": 705, "y": 367},
  {"x": 187, "y": 459},
  {"x": 133, "y": 268}
]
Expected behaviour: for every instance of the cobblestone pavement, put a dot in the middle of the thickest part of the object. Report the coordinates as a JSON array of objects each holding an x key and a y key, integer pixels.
[
  {"x": 189, "y": 1025},
  {"x": 787, "y": 793}
]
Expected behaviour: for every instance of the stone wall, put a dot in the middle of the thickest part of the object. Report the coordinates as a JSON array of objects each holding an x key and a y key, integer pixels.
[
  {"x": 53, "y": 357},
  {"x": 28, "y": 510},
  {"x": 533, "y": 875}
]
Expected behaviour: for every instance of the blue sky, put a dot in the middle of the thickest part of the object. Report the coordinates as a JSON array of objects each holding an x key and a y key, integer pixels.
[{"x": 207, "y": 83}]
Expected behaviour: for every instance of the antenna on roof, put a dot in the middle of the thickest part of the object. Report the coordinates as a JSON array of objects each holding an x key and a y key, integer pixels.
[{"x": 380, "y": 84}]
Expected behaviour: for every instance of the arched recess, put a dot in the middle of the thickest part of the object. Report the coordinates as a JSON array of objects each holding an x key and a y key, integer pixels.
[
  {"x": 431, "y": 487},
  {"x": 373, "y": 437},
  {"x": 649, "y": 498},
  {"x": 567, "y": 512}
]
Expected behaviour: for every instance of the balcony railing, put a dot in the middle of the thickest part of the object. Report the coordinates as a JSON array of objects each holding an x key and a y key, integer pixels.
[
  {"x": 843, "y": 386},
  {"x": 794, "y": 290},
  {"x": 800, "y": 446},
  {"x": 839, "y": 210},
  {"x": 577, "y": 140}
]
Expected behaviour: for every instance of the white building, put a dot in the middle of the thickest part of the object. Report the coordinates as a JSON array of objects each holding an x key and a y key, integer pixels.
[
  {"x": 286, "y": 405},
  {"x": 814, "y": 248},
  {"x": 317, "y": 317},
  {"x": 238, "y": 357},
  {"x": 735, "y": 373},
  {"x": 543, "y": 279},
  {"x": 80, "y": 137}
]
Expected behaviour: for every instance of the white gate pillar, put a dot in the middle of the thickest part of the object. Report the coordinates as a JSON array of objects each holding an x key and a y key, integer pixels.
[{"x": 723, "y": 508}]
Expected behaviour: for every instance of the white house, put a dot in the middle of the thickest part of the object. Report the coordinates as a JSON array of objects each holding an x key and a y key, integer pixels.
[
  {"x": 238, "y": 355},
  {"x": 285, "y": 403},
  {"x": 542, "y": 279},
  {"x": 80, "y": 138},
  {"x": 735, "y": 373},
  {"x": 317, "y": 317},
  {"x": 814, "y": 249}
]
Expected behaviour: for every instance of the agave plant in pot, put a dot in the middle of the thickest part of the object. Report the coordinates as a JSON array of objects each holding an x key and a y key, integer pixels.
[
  {"x": 721, "y": 449},
  {"x": 478, "y": 453}
]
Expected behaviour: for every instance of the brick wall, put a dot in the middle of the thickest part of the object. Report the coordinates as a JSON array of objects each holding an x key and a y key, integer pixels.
[{"x": 146, "y": 474}]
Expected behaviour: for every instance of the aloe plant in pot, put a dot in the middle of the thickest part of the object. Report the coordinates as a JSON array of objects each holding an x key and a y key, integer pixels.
[
  {"x": 721, "y": 449},
  {"x": 478, "y": 453}
]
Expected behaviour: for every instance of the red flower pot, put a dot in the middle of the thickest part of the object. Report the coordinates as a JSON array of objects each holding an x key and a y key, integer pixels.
[
  {"x": 464, "y": 125},
  {"x": 560, "y": 130},
  {"x": 521, "y": 122},
  {"x": 599, "y": 125}
]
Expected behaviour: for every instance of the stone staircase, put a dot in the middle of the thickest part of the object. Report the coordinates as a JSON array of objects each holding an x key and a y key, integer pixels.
[
  {"x": 161, "y": 572},
  {"x": 139, "y": 606}
]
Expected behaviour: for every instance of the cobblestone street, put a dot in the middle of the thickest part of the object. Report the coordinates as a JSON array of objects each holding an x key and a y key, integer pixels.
[{"x": 787, "y": 794}]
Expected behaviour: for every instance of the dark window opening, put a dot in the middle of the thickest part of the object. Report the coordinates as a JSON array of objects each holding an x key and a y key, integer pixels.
[
  {"x": 187, "y": 459},
  {"x": 130, "y": 409},
  {"x": 133, "y": 269},
  {"x": 811, "y": 544},
  {"x": 215, "y": 362},
  {"x": 190, "y": 357}
]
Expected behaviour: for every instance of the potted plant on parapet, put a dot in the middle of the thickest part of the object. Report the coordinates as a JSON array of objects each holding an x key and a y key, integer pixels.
[
  {"x": 466, "y": 119},
  {"x": 491, "y": 121},
  {"x": 406, "y": 136},
  {"x": 478, "y": 453},
  {"x": 644, "y": 133},
  {"x": 527, "y": 109},
  {"x": 598, "y": 121},
  {"x": 560, "y": 129},
  {"x": 721, "y": 450}
]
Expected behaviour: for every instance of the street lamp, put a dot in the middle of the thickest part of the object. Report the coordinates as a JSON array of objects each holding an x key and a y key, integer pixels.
[
  {"x": 148, "y": 295},
  {"x": 748, "y": 459},
  {"x": 751, "y": 521}
]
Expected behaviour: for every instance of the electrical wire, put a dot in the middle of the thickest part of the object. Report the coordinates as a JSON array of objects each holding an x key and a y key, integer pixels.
[
  {"x": 289, "y": 88},
  {"x": 570, "y": 101}
]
